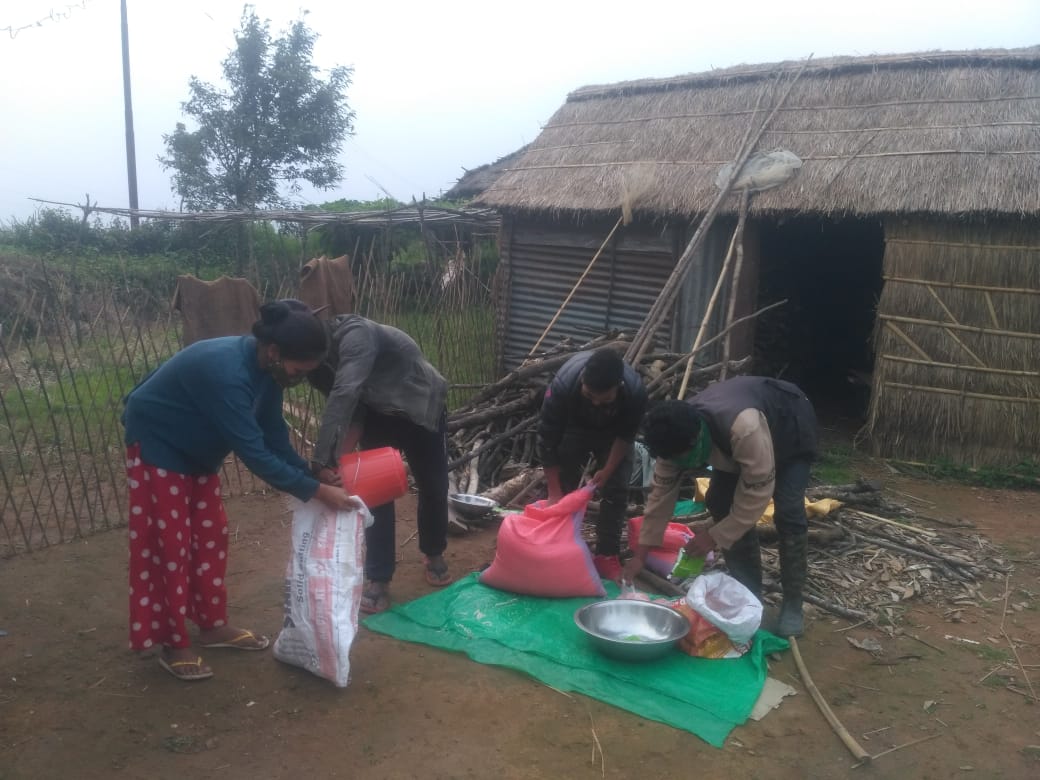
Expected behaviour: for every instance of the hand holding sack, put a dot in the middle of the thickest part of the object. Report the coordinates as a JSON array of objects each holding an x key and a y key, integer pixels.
[{"x": 323, "y": 584}]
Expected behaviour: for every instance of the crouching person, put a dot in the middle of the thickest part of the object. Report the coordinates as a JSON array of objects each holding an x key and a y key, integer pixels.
[{"x": 760, "y": 436}]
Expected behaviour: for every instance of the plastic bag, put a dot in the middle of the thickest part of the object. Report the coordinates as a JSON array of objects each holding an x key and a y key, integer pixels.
[
  {"x": 541, "y": 552},
  {"x": 661, "y": 560},
  {"x": 762, "y": 171},
  {"x": 727, "y": 605},
  {"x": 704, "y": 640},
  {"x": 323, "y": 584}
]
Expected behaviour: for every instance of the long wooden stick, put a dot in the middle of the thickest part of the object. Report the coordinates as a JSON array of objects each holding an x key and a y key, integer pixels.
[
  {"x": 577, "y": 284},
  {"x": 734, "y": 287},
  {"x": 644, "y": 335},
  {"x": 897, "y": 747},
  {"x": 708, "y": 310},
  {"x": 854, "y": 747},
  {"x": 886, "y": 521}
]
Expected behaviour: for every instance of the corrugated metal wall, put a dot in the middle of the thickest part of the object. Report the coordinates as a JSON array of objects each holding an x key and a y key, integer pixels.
[{"x": 543, "y": 263}]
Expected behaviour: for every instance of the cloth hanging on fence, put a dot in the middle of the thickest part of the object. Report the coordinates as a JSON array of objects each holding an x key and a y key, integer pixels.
[
  {"x": 224, "y": 307},
  {"x": 327, "y": 283}
]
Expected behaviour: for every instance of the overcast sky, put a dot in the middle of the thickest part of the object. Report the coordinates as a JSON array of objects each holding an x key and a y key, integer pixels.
[{"x": 438, "y": 87}]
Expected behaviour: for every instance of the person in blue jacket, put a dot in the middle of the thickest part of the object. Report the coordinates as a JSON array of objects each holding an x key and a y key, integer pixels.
[{"x": 212, "y": 398}]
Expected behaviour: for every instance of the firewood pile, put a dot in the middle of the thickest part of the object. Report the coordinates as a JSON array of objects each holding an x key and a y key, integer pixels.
[
  {"x": 874, "y": 559},
  {"x": 491, "y": 438}
]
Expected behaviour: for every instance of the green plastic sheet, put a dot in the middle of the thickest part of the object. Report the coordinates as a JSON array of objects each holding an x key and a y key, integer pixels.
[{"x": 538, "y": 636}]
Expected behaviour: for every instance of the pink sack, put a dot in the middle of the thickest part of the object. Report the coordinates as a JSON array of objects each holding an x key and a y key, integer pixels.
[
  {"x": 541, "y": 552},
  {"x": 661, "y": 560}
]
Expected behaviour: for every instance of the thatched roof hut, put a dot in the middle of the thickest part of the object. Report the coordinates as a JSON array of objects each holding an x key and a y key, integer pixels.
[
  {"x": 480, "y": 179},
  {"x": 936, "y": 133},
  {"x": 915, "y": 217}
]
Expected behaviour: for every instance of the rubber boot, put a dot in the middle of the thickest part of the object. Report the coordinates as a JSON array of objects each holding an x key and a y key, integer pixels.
[
  {"x": 793, "y": 569},
  {"x": 744, "y": 561}
]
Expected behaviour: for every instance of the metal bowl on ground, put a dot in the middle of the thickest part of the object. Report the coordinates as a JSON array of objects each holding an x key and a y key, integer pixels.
[
  {"x": 471, "y": 506},
  {"x": 631, "y": 630}
]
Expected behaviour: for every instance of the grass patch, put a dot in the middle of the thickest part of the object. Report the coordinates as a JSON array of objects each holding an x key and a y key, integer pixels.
[
  {"x": 460, "y": 343},
  {"x": 993, "y": 654},
  {"x": 1021, "y": 476},
  {"x": 835, "y": 466}
]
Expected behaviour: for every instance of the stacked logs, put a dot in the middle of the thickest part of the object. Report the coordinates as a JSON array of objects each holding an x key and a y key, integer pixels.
[{"x": 492, "y": 437}]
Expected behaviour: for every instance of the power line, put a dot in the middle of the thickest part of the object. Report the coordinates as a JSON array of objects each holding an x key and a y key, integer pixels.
[{"x": 54, "y": 15}]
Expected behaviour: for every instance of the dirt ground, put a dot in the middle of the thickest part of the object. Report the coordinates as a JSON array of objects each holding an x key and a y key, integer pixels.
[{"x": 74, "y": 702}]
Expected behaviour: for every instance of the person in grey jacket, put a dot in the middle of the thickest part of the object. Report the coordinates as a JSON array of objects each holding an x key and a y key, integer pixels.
[
  {"x": 760, "y": 436},
  {"x": 383, "y": 392}
]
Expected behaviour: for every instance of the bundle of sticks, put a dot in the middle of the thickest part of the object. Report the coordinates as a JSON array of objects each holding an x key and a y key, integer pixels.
[{"x": 491, "y": 438}]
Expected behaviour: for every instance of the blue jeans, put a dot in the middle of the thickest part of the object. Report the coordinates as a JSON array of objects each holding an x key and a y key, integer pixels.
[
  {"x": 792, "y": 478},
  {"x": 574, "y": 450}
]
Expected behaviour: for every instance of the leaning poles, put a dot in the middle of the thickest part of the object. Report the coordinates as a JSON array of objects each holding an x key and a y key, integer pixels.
[
  {"x": 738, "y": 236},
  {"x": 643, "y": 338}
]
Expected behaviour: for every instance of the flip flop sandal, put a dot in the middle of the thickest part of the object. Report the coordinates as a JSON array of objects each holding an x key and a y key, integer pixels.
[
  {"x": 437, "y": 576},
  {"x": 179, "y": 669},
  {"x": 374, "y": 601},
  {"x": 246, "y": 640}
]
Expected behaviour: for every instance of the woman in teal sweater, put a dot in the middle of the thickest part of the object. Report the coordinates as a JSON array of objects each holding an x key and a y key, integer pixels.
[{"x": 212, "y": 398}]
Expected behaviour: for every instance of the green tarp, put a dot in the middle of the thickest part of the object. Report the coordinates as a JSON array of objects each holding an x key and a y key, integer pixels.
[{"x": 538, "y": 637}]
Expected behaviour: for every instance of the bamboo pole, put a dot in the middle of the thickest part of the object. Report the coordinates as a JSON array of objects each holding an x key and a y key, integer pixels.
[
  {"x": 847, "y": 739},
  {"x": 963, "y": 393},
  {"x": 720, "y": 335},
  {"x": 970, "y": 328},
  {"x": 960, "y": 367},
  {"x": 708, "y": 312},
  {"x": 734, "y": 287},
  {"x": 964, "y": 245},
  {"x": 961, "y": 286},
  {"x": 643, "y": 337},
  {"x": 955, "y": 321},
  {"x": 577, "y": 284},
  {"x": 908, "y": 341}
]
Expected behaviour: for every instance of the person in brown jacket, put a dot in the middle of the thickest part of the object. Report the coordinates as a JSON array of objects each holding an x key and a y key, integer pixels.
[{"x": 759, "y": 436}]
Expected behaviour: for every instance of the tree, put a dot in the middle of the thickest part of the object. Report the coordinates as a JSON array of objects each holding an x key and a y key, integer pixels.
[{"x": 276, "y": 124}]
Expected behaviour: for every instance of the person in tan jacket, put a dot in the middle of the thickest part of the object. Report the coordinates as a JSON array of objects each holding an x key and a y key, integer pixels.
[{"x": 759, "y": 436}]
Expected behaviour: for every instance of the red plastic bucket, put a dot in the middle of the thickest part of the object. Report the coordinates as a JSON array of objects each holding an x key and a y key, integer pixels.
[{"x": 376, "y": 476}]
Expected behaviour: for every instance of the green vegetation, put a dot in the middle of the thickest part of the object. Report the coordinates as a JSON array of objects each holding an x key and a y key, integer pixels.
[
  {"x": 1023, "y": 476},
  {"x": 992, "y": 653},
  {"x": 275, "y": 124},
  {"x": 834, "y": 466}
]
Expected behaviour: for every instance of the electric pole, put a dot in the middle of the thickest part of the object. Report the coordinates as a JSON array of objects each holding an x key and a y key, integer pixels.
[{"x": 128, "y": 118}]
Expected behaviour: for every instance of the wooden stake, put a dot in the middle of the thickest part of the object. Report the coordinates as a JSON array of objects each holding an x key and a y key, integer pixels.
[
  {"x": 849, "y": 741},
  {"x": 894, "y": 749}
]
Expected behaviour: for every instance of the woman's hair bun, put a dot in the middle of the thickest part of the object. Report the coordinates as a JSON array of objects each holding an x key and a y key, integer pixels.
[
  {"x": 293, "y": 327},
  {"x": 274, "y": 312}
]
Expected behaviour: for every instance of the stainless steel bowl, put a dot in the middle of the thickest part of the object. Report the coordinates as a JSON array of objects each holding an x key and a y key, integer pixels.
[
  {"x": 470, "y": 505},
  {"x": 631, "y": 630}
]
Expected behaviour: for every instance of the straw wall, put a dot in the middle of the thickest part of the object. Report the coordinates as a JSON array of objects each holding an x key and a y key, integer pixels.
[{"x": 958, "y": 343}]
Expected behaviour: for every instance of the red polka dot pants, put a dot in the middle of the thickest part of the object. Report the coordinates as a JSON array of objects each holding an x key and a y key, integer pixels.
[{"x": 178, "y": 553}]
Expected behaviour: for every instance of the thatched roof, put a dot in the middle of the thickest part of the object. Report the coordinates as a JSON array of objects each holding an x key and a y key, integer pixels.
[
  {"x": 477, "y": 180},
  {"x": 934, "y": 132}
]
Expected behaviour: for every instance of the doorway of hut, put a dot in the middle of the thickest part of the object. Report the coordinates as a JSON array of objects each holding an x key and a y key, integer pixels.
[{"x": 830, "y": 273}]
